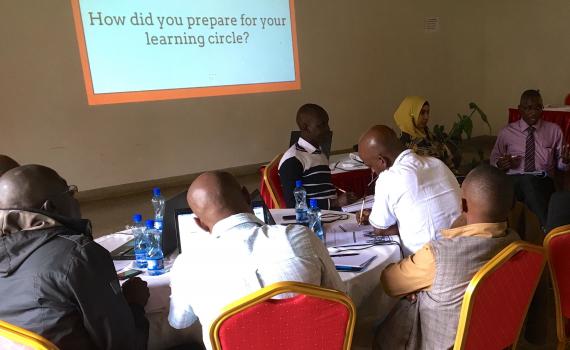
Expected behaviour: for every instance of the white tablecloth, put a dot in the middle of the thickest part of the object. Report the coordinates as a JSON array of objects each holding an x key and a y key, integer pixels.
[{"x": 363, "y": 287}]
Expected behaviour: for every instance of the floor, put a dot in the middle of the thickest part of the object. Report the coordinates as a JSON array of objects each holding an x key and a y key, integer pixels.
[{"x": 111, "y": 215}]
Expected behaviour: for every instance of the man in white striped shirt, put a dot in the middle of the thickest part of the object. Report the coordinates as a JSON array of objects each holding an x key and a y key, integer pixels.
[
  {"x": 239, "y": 256},
  {"x": 305, "y": 161}
]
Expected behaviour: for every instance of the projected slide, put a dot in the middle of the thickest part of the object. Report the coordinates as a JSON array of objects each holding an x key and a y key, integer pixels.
[{"x": 141, "y": 50}]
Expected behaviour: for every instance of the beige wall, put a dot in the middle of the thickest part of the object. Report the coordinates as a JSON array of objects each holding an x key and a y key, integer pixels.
[{"x": 358, "y": 60}]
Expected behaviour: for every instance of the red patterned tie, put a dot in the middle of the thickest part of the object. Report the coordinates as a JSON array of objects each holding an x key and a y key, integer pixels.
[{"x": 529, "y": 150}]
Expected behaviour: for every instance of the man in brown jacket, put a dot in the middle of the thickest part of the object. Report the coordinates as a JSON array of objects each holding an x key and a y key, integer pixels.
[{"x": 432, "y": 281}]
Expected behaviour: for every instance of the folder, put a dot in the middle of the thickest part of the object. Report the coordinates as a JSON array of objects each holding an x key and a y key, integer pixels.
[{"x": 353, "y": 263}]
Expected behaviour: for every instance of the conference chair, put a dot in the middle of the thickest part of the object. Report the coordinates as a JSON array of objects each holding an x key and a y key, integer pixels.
[
  {"x": 15, "y": 338},
  {"x": 497, "y": 298},
  {"x": 557, "y": 246},
  {"x": 315, "y": 318},
  {"x": 271, "y": 191}
]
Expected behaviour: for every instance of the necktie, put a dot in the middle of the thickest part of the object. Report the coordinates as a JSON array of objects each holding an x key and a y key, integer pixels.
[{"x": 529, "y": 150}]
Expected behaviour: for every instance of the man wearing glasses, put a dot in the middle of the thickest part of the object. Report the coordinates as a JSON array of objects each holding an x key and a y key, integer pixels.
[
  {"x": 54, "y": 280},
  {"x": 530, "y": 150}
]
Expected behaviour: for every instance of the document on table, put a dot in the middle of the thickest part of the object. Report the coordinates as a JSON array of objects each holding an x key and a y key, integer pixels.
[
  {"x": 355, "y": 207},
  {"x": 348, "y": 233}
]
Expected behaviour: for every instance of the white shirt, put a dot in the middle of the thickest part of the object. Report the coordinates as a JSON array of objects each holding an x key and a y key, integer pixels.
[
  {"x": 242, "y": 255},
  {"x": 418, "y": 193}
]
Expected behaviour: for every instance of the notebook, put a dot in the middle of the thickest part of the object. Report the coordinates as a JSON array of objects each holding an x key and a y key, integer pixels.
[{"x": 353, "y": 263}]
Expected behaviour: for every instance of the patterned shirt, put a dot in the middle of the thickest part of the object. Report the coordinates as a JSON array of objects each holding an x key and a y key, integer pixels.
[
  {"x": 239, "y": 257},
  {"x": 304, "y": 162}
]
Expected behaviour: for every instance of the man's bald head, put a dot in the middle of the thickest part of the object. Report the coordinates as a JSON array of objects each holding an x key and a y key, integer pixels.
[
  {"x": 7, "y": 163},
  {"x": 488, "y": 195},
  {"x": 214, "y": 196},
  {"x": 37, "y": 187},
  {"x": 379, "y": 147}
]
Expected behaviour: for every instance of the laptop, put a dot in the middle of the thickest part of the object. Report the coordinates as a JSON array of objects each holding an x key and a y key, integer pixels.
[
  {"x": 260, "y": 209},
  {"x": 170, "y": 239},
  {"x": 325, "y": 147}
]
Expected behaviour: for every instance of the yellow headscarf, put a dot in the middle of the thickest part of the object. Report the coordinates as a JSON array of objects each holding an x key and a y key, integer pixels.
[{"x": 407, "y": 115}]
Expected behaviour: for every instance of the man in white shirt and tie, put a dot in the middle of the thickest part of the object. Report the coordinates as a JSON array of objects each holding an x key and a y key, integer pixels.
[
  {"x": 415, "y": 196},
  {"x": 240, "y": 255}
]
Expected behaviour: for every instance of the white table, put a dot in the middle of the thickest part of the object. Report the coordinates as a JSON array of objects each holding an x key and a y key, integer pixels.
[{"x": 363, "y": 287}]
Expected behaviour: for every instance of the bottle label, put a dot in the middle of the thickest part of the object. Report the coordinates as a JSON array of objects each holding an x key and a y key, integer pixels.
[
  {"x": 155, "y": 264},
  {"x": 140, "y": 259},
  {"x": 158, "y": 225}
]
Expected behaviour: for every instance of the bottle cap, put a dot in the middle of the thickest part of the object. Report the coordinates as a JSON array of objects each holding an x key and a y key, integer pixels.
[
  {"x": 298, "y": 183},
  {"x": 150, "y": 223},
  {"x": 313, "y": 203},
  {"x": 156, "y": 191},
  {"x": 137, "y": 218}
]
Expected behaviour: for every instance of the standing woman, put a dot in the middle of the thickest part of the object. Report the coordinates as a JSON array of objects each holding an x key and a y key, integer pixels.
[{"x": 412, "y": 117}]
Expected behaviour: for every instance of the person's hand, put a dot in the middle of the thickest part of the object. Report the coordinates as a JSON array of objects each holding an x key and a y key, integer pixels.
[
  {"x": 412, "y": 298},
  {"x": 343, "y": 199},
  {"x": 135, "y": 291},
  {"x": 565, "y": 154},
  {"x": 390, "y": 231},
  {"x": 363, "y": 219},
  {"x": 505, "y": 162}
]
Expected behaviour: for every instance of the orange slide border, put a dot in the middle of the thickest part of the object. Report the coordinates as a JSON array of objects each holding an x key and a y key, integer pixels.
[{"x": 171, "y": 94}]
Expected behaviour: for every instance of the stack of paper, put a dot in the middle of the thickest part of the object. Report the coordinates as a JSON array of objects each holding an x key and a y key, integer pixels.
[{"x": 355, "y": 207}]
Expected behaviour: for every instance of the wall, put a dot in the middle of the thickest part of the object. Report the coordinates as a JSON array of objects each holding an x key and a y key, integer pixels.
[
  {"x": 527, "y": 46},
  {"x": 358, "y": 60}
]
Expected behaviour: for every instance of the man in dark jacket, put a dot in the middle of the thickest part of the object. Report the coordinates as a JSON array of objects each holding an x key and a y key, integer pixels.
[{"x": 54, "y": 280}]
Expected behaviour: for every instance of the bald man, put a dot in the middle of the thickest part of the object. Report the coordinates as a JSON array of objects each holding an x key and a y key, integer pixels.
[
  {"x": 415, "y": 197},
  {"x": 434, "y": 279},
  {"x": 305, "y": 161},
  {"x": 54, "y": 280},
  {"x": 7, "y": 163},
  {"x": 238, "y": 254}
]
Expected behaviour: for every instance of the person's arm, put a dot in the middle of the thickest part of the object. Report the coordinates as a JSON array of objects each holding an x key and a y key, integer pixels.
[
  {"x": 414, "y": 273},
  {"x": 562, "y": 151},
  {"x": 181, "y": 314},
  {"x": 390, "y": 231},
  {"x": 499, "y": 151},
  {"x": 382, "y": 216},
  {"x": 290, "y": 171},
  {"x": 106, "y": 314}
]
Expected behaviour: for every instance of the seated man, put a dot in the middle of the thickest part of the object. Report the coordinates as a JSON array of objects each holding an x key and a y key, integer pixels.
[
  {"x": 531, "y": 145},
  {"x": 440, "y": 271},
  {"x": 54, "y": 280},
  {"x": 415, "y": 197},
  {"x": 6, "y": 163},
  {"x": 305, "y": 161},
  {"x": 239, "y": 256}
]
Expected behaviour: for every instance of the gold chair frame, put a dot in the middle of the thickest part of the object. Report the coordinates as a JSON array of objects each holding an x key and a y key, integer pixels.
[
  {"x": 280, "y": 288},
  {"x": 563, "y": 338},
  {"x": 266, "y": 179},
  {"x": 25, "y": 337},
  {"x": 481, "y": 275}
]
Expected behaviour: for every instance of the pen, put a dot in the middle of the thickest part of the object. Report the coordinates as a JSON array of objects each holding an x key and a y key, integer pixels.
[
  {"x": 361, "y": 211},
  {"x": 341, "y": 254},
  {"x": 340, "y": 189}
]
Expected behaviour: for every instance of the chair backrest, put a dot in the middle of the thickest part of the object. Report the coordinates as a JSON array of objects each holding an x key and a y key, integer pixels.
[
  {"x": 557, "y": 246},
  {"x": 315, "y": 318},
  {"x": 272, "y": 184},
  {"x": 16, "y": 338},
  {"x": 497, "y": 298},
  {"x": 567, "y": 100}
]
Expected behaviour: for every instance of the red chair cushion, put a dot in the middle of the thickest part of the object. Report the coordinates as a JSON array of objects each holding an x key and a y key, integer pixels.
[
  {"x": 560, "y": 263},
  {"x": 501, "y": 301},
  {"x": 300, "y": 323},
  {"x": 264, "y": 191}
]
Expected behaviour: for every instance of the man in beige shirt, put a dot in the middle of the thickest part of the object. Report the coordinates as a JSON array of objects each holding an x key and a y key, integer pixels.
[{"x": 434, "y": 279}]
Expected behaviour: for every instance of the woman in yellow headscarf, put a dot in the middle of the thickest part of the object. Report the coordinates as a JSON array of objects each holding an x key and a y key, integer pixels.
[{"x": 412, "y": 117}]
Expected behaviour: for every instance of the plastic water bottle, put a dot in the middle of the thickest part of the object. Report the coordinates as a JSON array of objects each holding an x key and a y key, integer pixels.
[
  {"x": 315, "y": 223},
  {"x": 301, "y": 204},
  {"x": 158, "y": 205},
  {"x": 138, "y": 230},
  {"x": 154, "y": 255}
]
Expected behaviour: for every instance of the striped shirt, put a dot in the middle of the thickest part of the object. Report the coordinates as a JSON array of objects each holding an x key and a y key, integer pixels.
[{"x": 304, "y": 162}]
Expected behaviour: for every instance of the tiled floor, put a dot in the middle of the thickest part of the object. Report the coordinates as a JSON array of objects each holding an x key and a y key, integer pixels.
[{"x": 112, "y": 215}]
